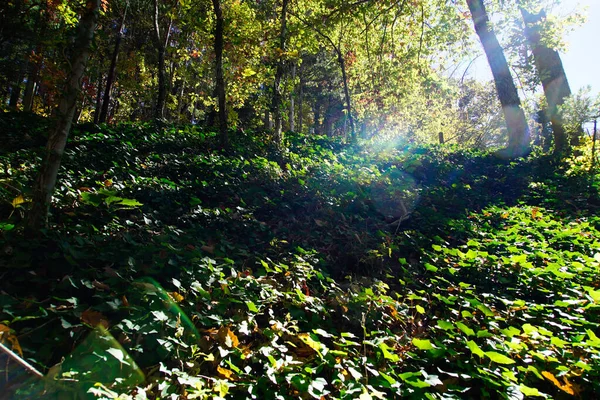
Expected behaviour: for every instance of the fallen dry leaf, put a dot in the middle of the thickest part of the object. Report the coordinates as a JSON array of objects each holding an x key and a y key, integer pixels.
[
  {"x": 7, "y": 335},
  {"x": 94, "y": 318}
]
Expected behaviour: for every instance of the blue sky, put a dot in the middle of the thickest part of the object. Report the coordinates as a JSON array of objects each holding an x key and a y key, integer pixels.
[{"x": 582, "y": 59}]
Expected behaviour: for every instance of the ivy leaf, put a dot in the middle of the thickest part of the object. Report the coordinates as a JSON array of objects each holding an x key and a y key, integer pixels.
[
  {"x": 251, "y": 306},
  {"x": 499, "y": 358},
  {"x": 423, "y": 344},
  {"x": 475, "y": 349},
  {"x": 465, "y": 329},
  {"x": 529, "y": 391},
  {"x": 118, "y": 354},
  {"x": 445, "y": 325}
]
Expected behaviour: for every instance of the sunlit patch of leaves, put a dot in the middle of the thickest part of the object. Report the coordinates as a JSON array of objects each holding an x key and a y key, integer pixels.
[{"x": 322, "y": 271}]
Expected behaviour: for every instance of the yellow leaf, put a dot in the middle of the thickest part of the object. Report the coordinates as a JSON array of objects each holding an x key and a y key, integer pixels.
[
  {"x": 227, "y": 337},
  {"x": 248, "y": 72},
  {"x": 17, "y": 201},
  {"x": 177, "y": 298},
  {"x": 225, "y": 373},
  {"x": 310, "y": 342},
  {"x": 567, "y": 387},
  {"x": 6, "y": 335}
]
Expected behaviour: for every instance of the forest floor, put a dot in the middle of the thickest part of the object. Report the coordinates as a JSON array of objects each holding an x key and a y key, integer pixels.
[{"x": 173, "y": 269}]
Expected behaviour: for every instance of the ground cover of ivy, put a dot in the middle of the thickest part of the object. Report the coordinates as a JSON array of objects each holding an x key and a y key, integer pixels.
[{"x": 175, "y": 270}]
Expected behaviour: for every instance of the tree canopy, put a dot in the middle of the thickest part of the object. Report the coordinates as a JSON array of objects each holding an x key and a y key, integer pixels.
[{"x": 236, "y": 199}]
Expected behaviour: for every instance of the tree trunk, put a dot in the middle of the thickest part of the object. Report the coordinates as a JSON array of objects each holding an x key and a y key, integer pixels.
[
  {"x": 113, "y": 70},
  {"x": 98, "y": 99},
  {"x": 551, "y": 73},
  {"x": 32, "y": 76},
  {"x": 346, "y": 94},
  {"x": 15, "y": 93},
  {"x": 300, "y": 102},
  {"x": 46, "y": 180},
  {"x": 518, "y": 131},
  {"x": 277, "y": 90},
  {"x": 161, "y": 99},
  {"x": 292, "y": 111},
  {"x": 220, "y": 80}
]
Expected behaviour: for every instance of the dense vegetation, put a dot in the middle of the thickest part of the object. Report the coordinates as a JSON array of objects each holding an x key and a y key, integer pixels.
[
  {"x": 294, "y": 199},
  {"x": 175, "y": 269}
]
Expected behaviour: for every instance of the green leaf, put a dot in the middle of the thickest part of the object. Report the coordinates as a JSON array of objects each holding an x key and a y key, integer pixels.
[
  {"x": 251, "y": 306},
  {"x": 499, "y": 358},
  {"x": 485, "y": 310},
  {"x": 118, "y": 354},
  {"x": 529, "y": 391},
  {"x": 387, "y": 354},
  {"x": 130, "y": 203},
  {"x": 445, "y": 325},
  {"x": 420, "y": 309},
  {"x": 475, "y": 349},
  {"x": 423, "y": 344},
  {"x": 465, "y": 329}
]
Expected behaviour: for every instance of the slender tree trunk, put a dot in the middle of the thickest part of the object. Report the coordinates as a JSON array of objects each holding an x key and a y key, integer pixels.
[
  {"x": 346, "y": 94},
  {"x": 317, "y": 116},
  {"x": 15, "y": 93},
  {"x": 292, "y": 113},
  {"x": 46, "y": 180},
  {"x": 551, "y": 73},
  {"x": 277, "y": 90},
  {"x": 301, "y": 102},
  {"x": 161, "y": 45},
  {"x": 220, "y": 79},
  {"x": 98, "y": 99},
  {"x": 32, "y": 76},
  {"x": 267, "y": 122},
  {"x": 112, "y": 71},
  {"x": 518, "y": 131}
]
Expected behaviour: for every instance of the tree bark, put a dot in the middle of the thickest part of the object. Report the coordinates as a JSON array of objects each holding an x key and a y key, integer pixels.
[
  {"x": 46, "y": 180},
  {"x": 220, "y": 80},
  {"x": 518, "y": 131},
  {"x": 113, "y": 70},
  {"x": 551, "y": 73},
  {"x": 161, "y": 45},
  {"x": 292, "y": 110},
  {"x": 15, "y": 93},
  {"x": 32, "y": 76},
  {"x": 346, "y": 94},
  {"x": 277, "y": 90},
  {"x": 301, "y": 102},
  {"x": 98, "y": 99}
]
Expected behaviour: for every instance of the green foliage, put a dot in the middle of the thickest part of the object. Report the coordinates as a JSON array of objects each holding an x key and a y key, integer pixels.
[{"x": 381, "y": 271}]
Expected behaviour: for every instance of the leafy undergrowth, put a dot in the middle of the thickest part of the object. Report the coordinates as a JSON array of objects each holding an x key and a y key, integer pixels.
[{"x": 176, "y": 270}]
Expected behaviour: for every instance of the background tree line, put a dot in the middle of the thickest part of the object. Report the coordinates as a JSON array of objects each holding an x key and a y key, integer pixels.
[{"x": 333, "y": 67}]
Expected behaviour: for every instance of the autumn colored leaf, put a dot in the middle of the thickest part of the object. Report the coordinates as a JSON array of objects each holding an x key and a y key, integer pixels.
[
  {"x": 177, "y": 298},
  {"x": 94, "y": 318},
  {"x": 567, "y": 387},
  {"x": 17, "y": 201},
  {"x": 7, "y": 336},
  {"x": 225, "y": 373},
  {"x": 226, "y": 337}
]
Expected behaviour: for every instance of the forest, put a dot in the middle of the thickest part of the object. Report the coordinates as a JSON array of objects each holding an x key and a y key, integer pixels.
[{"x": 296, "y": 199}]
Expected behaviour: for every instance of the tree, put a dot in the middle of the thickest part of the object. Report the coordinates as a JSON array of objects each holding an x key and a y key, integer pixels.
[
  {"x": 277, "y": 95},
  {"x": 113, "y": 69},
  {"x": 46, "y": 180},
  {"x": 550, "y": 72},
  {"x": 161, "y": 49},
  {"x": 518, "y": 131},
  {"x": 220, "y": 80}
]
